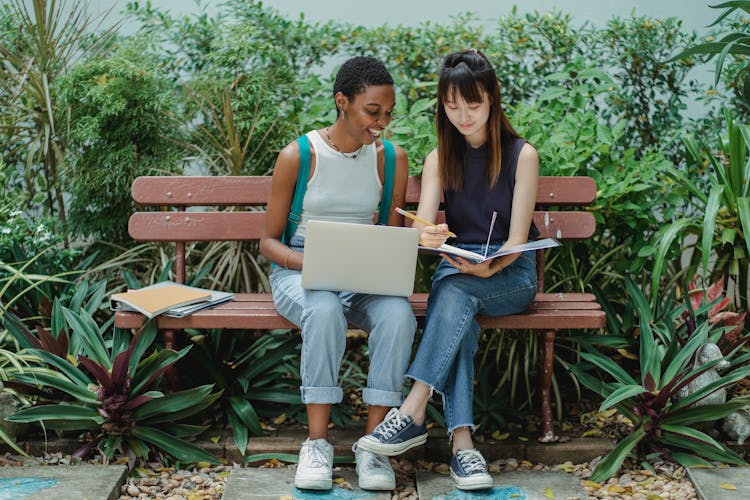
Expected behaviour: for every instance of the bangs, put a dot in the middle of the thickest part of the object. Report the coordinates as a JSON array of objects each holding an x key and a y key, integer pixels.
[{"x": 461, "y": 80}]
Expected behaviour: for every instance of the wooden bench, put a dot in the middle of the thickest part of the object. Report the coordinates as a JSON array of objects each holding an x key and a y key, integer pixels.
[{"x": 255, "y": 311}]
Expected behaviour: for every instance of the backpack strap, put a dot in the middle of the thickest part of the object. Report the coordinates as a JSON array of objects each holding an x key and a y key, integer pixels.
[
  {"x": 303, "y": 174},
  {"x": 389, "y": 173}
]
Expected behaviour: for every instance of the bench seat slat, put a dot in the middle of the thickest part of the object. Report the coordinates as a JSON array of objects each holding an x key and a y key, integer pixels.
[
  {"x": 229, "y": 226},
  {"x": 249, "y": 311},
  {"x": 240, "y": 190}
]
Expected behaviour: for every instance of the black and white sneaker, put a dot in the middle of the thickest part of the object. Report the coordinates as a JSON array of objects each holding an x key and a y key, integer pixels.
[
  {"x": 394, "y": 435},
  {"x": 469, "y": 470}
]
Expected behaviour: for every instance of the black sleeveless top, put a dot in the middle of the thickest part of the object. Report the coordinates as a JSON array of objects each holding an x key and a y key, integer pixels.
[{"x": 468, "y": 211}]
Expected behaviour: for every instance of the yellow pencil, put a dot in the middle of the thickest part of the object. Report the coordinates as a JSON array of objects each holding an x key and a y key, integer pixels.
[{"x": 421, "y": 220}]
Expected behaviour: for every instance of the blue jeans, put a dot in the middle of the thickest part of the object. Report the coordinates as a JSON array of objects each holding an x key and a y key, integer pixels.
[
  {"x": 322, "y": 317},
  {"x": 445, "y": 357}
]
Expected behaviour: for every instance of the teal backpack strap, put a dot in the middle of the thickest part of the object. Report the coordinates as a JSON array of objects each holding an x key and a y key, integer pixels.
[
  {"x": 389, "y": 173},
  {"x": 303, "y": 174}
]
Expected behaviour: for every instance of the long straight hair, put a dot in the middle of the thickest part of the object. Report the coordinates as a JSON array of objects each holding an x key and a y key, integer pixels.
[{"x": 468, "y": 73}]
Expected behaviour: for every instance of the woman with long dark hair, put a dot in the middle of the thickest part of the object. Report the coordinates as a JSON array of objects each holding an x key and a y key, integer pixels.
[{"x": 488, "y": 177}]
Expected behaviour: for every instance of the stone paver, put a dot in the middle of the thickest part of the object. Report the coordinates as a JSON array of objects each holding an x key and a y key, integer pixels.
[
  {"x": 275, "y": 484},
  {"x": 731, "y": 483},
  {"x": 73, "y": 482},
  {"x": 531, "y": 485}
]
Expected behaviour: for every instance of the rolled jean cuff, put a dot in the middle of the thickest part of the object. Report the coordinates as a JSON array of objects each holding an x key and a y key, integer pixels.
[
  {"x": 380, "y": 397},
  {"x": 433, "y": 390},
  {"x": 321, "y": 395},
  {"x": 472, "y": 429}
]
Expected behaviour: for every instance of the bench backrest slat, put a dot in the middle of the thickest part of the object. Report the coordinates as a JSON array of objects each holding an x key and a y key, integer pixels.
[
  {"x": 230, "y": 226},
  {"x": 247, "y": 190}
]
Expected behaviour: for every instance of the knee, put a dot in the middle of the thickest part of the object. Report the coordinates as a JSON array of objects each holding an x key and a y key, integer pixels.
[
  {"x": 399, "y": 318},
  {"x": 450, "y": 300},
  {"x": 323, "y": 312}
]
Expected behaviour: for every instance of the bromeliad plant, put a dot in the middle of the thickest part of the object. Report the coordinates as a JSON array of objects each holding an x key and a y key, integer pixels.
[
  {"x": 717, "y": 187},
  {"x": 112, "y": 393},
  {"x": 661, "y": 423}
]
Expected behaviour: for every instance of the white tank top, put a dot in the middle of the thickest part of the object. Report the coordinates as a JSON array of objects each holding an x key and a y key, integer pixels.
[{"x": 341, "y": 189}]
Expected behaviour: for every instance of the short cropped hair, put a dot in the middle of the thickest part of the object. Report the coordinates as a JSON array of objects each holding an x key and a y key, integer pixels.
[{"x": 358, "y": 73}]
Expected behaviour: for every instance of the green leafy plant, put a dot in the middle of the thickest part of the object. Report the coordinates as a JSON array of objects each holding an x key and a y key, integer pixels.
[
  {"x": 117, "y": 108},
  {"x": 50, "y": 36},
  {"x": 716, "y": 185},
  {"x": 250, "y": 374},
  {"x": 735, "y": 43},
  {"x": 112, "y": 393},
  {"x": 662, "y": 423}
]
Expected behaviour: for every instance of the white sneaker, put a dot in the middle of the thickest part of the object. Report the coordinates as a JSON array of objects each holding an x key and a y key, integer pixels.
[
  {"x": 373, "y": 471},
  {"x": 315, "y": 466}
]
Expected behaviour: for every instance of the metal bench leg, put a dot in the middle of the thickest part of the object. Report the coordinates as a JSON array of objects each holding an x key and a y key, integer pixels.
[
  {"x": 546, "y": 360},
  {"x": 172, "y": 375}
]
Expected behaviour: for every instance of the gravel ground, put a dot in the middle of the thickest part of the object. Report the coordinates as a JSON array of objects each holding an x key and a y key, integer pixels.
[{"x": 203, "y": 483}]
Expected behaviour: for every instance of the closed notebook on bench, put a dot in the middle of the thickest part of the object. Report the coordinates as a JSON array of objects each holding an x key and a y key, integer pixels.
[{"x": 365, "y": 258}]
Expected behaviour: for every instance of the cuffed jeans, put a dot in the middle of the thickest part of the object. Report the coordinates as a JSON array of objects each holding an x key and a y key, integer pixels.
[
  {"x": 322, "y": 317},
  {"x": 445, "y": 356}
]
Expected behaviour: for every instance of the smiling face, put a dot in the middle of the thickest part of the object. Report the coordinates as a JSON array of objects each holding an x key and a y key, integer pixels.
[
  {"x": 368, "y": 113},
  {"x": 469, "y": 117}
]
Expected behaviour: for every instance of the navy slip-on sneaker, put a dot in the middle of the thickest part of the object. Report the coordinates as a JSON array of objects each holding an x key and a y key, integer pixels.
[{"x": 394, "y": 435}]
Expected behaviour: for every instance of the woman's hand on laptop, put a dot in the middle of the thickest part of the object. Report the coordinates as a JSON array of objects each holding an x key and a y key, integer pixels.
[{"x": 433, "y": 236}]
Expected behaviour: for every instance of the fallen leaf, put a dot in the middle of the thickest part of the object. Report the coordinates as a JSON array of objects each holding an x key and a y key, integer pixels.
[
  {"x": 280, "y": 419},
  {"x": 442, "y": 469},
  {"x": 566, "y": 426},
  {"x": 203, "y": 464},
  {"x": 654, "y": 496},
  {"x": 592, "y": 432},
  {"x": 604, "y": 415},
  {"x": 727, "y": 486},
  {"x": 215, "y": 439},
  {"x": 522, "y": 438},
  {"x": 627, "y": 354},
  {"x": 500, "y": 437},
  {"x": 567, "y": 467},
  {"x": 615, "y": 488},
  {"x": 591, "y": 484},
  {"x": 548, "y": 493}
]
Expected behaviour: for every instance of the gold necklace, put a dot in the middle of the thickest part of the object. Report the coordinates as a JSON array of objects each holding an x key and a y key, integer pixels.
[{"x": 345, "y": 155}]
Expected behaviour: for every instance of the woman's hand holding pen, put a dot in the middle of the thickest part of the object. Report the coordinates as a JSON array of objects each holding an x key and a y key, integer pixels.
[{"x": 433, "y": 236}]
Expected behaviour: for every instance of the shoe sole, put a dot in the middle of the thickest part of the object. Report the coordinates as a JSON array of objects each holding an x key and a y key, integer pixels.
[
  {"x": 377, "y": 486},
  {"x": 390, "y": 450},
  {"x": 313, "y": 484},
  {"x": 468, "y": 484}
]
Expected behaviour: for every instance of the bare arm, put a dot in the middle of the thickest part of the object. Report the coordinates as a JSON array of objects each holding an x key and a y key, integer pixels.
[
  {"x": 524, "y": 200},
  {"x": 279, "y": 204},
  {"x": 429, "y": 202}
]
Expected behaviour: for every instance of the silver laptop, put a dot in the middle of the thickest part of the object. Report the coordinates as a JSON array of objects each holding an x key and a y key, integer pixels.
[{"x": 364, "y": 258}]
